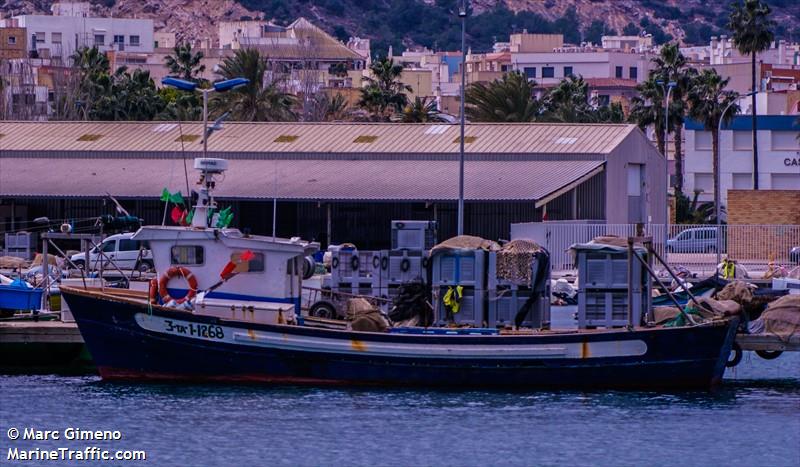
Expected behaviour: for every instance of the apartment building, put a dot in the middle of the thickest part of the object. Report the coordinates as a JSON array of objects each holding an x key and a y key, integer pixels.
[
  {"x": 778, "y": 151},
  {"x": 13, "y": 43},
  {"x": 71, "y": 27}
]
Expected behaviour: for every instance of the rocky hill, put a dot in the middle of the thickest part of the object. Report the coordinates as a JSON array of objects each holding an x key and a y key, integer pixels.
[{"x": 432, "y": 23}]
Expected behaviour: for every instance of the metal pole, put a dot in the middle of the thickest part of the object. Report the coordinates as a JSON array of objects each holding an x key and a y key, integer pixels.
[
  {"x": 463, "y": 14},
  {"x": 717, "y": 178},
  {"x": 666, "y": 169},
  {"x": 205, "y": 121}
]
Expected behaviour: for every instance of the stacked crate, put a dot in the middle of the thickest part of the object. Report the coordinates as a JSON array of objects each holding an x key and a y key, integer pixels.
[
  {"x": 352, "y": 272},
  {"x": 21, "y": 245},
  {"x": 465, "y": 268},
  {"x": 506, "y": 298},
  {"x": 408, "y": 258},
  {"x": 603, "y": 288}
]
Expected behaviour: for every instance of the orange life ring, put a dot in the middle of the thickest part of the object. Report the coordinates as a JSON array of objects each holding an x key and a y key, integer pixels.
[
  {"x": 176, "y": 271},
  {"x": 153, "y": 292}
]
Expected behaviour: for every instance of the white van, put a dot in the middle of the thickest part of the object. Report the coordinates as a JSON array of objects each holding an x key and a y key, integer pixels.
[{"x": 126, "y": 253}]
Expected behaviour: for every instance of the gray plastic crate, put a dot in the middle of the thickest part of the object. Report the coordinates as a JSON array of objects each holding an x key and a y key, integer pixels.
[
  {"x": 471, "y": 312},
  {"x": 606, "y": 308},
  {"x": 380, "y": 269},
  {"x": 413, "y": 235},
  {"x": 603, "y": 270},
  {"x": 343, "y": 270},
  {"x": 465, "y": 268},
  {"x": 406, "y": 266},
  {"x": 21, "y": 245},
  {"x": 505, "y": 302}
]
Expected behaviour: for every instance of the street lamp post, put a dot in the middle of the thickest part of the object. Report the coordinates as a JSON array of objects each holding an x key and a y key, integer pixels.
[
  {"x": 670, "y": 86},
  {"x": 462, "y": 13},
  {"x": 717, "y": 162},
  {"x": 220, "y": 86}
]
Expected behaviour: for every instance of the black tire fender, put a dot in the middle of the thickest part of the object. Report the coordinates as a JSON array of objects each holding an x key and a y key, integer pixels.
[
  {"x": 735, "y": 357},
  {"x": 769, "y": 354}
]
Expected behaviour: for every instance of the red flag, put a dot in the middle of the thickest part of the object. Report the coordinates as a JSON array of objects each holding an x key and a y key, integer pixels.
[
  {"x": 247, "y": 255},
  {"x": 227, "y": 271},
  {"x": 177, "y": 215}
]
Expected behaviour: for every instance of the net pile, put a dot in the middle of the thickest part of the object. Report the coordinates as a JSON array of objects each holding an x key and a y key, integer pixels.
[{"x": 515, "y": 261}]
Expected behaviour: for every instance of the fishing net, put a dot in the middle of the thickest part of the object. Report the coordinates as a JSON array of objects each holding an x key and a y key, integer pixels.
[{"x": 515, "y": 261}]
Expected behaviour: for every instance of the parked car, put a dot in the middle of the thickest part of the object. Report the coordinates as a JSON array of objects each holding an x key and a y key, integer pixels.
[
  {"x": 695, "y": 240},
  {"x": 123, "y": 250},
  {"x": 794, "y": 255}
]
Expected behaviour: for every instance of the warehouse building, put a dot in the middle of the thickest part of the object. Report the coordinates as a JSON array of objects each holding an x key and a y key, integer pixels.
[{"x": 336, "y": 182}]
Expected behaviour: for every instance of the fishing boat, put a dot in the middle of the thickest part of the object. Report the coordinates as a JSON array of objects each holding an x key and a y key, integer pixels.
[{"x": 239, "y": 319}]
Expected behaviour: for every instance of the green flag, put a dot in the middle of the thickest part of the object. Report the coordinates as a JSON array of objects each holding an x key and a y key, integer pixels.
[
  {"x": 225, "y": 218},
  {"x": 168, "y": 197}
]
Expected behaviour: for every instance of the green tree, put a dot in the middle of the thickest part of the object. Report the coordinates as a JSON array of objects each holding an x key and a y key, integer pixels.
[
  {"x": 92, "y": 72},
  {"x": 752, "y": 33},
  {"x": 257, "y": 101},
  {"x": 508, "y": 99},
  {"x": 384, "y": 93},
  {"x": 125, "y": 96},
  {"x": 184, "y": 63},
  {"x": 568, "y": 102},
  {"x": 647, "y": 108},
  {"x": 707, "y": 100},
  {"x": 422, "y": 110},
  {"x": 328, "y": 108}
]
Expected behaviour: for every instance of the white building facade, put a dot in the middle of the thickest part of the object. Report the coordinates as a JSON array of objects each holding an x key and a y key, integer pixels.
[
  {"x": 69, "y": 29},
  {"x": 778, "y": 156},
  {"x": 551, "y": 67}
]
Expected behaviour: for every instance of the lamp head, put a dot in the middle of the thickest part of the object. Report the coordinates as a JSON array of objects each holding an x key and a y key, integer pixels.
[
  {"x": 178, "y": 83},
  {"x": 229, "y": 84}
]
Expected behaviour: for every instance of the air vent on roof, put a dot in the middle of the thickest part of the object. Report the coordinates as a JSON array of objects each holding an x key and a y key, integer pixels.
[
  {"x": 565, "y": 140},
  {"x": 467, "y": 139},
  {"x": 164, "y": 127},
  {"x": 365, "y": 139},
  {"x": 436, "y": 129},
  {"x": 89, "y": 137},
  {"x": 286, "y": 139},
  {"x": 187, "y": 138}
]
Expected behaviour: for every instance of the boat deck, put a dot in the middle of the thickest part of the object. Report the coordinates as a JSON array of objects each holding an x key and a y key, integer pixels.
[{"x": 769, "y": 342}]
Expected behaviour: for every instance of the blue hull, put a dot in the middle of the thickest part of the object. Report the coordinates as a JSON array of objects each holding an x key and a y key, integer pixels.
[{"x": 124, "y": 350}]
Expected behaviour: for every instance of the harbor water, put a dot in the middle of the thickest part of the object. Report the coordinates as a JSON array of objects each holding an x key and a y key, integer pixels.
[{"x": 752, "y": 420}]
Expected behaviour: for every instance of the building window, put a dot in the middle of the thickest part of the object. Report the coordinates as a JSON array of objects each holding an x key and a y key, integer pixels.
[
  {"x": 155, "y": 44},
  {"x": 12, "y": 40},
  {"x": 784, "y": 140},
  {"x": 742, "y": 141},
  {"x": 134, "y": 41},
  {"x": 619, "y": 72},
  {"x": 704, "y": 182},
  {"x": 187, "y": 254},
  {"x": 548, "y": 72},
  {"x": 785, "y": 181},
  {"x": 99, "y": 40},
  {"x": 633, "y": 72},
  {"x": 40, "y": 37},
  {"x": 567, "y": 71},
  {"x": 55, "y": 38},
  {"x": 530, "y": 72},
  {"x": 119, "y": 39},
  {"x": 742, "y": 181},
  {"x": 702, "y": 140}
]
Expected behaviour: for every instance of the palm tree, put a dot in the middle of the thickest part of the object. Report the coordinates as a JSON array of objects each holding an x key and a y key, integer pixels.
[
  {"x": 422, "y": 110},
  {"x": 384, "y": 93},
  {"x": 707, "y": 99},
  {"x": 185, "y": 63},
  {"x": 647, "y": 109},
  {"x": 329, "y": 109},
  {"x": 508, "y": 99},
  {"x": 671, "y": 66},
  {"x": 568, "y": 102},
  {"x": 752, "y": 33},
  {"x": 93, "y": 78},
  {"x": 258, "y": 101}
]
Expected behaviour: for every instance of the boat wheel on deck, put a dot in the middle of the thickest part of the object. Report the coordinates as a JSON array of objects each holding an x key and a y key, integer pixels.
[{"x": 322, "y": 310}]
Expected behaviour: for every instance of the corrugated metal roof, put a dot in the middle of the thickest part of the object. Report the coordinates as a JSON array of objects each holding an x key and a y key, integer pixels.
[
  {"x": 303, "y": 179},
  {"x": 315, "y": 138}
]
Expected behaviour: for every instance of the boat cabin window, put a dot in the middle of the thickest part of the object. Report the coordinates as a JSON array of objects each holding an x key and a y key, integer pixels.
[
  {"x": 255, "y": 264},
  {"x": 187, "y": 254}
]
